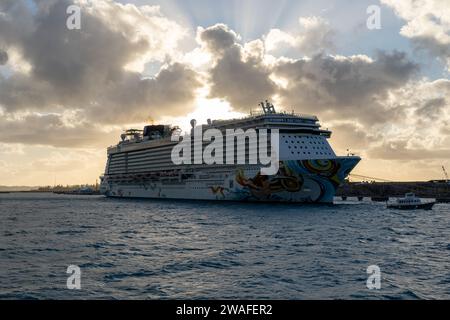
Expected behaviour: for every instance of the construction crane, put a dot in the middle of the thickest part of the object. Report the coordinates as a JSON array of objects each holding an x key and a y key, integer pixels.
[{"x": 445, "y": 174}]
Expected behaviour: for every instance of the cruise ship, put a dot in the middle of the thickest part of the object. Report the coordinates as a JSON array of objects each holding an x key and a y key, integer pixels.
[{"x": 141, "y": 164}]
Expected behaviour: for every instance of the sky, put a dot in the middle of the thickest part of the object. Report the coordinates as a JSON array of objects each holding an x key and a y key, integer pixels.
[{"x": 67, "y": 94}]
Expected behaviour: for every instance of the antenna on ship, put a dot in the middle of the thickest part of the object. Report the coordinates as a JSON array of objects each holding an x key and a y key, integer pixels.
[
  {"x": 268, "y": 107},
  {"x": 446, "y": 175}
]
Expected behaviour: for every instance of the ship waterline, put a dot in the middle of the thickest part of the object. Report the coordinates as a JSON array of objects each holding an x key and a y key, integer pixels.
[{"x": 140, "y": 166}]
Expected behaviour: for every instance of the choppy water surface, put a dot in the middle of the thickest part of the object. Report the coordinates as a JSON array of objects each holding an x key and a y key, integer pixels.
[{"x": 144, "y": 249}]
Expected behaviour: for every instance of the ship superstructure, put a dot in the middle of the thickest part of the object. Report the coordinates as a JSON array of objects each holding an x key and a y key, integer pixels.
[{"x": 141, "y": 164}]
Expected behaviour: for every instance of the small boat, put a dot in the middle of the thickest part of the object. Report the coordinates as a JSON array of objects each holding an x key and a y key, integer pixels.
[{"x": 411, "y": 202}]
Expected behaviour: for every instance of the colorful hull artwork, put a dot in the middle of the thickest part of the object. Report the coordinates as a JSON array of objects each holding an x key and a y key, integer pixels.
[
  {"x": 307, "y": 181},
  {"x": 298, "y": 181}
]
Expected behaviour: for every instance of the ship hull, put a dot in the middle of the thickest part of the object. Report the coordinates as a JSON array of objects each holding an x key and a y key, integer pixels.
[{"x": 298, "y": 181}]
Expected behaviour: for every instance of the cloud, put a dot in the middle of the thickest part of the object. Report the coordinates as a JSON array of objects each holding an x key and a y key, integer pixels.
[
  {"x": 217, "y": 38},
  {"x": 3, "y": 57},
  {"x": 350, "y": 135},
  {"x": 238, "y": 73},
  {"x": 345, "y": 87},
  {"x": 432, "y": 108},
  {"x": 77, "y": 88},
  {"x": 94, "y": 69},
  {"x": 314, "y": 37},
  {"x": 421, "y": 133},
  {"x": 427, "y": 25},
  {"x": 51, "y": 129},
  {"x": 398, "y": 150},
  {"x": 170, "y": 93},
  {"x": 337, "y": 87}
]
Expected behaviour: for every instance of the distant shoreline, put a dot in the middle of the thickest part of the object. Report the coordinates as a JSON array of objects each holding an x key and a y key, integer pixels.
[{"x": 24, "y": 191}]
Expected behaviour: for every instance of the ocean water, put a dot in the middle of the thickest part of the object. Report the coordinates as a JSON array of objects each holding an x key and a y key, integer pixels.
[{"x": 156, "y": 249}]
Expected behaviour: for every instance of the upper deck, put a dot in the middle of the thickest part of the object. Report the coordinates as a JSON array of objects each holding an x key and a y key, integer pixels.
[{"x": 267, "y": 118}]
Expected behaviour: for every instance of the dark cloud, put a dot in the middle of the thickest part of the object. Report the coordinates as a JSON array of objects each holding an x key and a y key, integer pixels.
[
  {"x": 345, "y": 87},
  {"x": 242, "y": 83},
  {"x": 51, "y": 130},
  {"x": 133, "y": 99},
  {"x": 217, "y": 38},
  {"x": 350, "y": 136},
  {"x": 338, "y": 87},
  {"x": 3, "y": 57},
  {"x": 431, "y": 108},
  {"x": 236, "y": 76},
  {"x": 398, "y": 150},
  {"x": 85, "y": 69}
]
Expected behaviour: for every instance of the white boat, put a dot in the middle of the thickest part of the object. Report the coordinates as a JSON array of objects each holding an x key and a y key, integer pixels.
[{"x": 411, "y": 202}]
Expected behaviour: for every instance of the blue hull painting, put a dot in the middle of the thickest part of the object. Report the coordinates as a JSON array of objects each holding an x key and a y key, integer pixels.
[{"x": 304, "y": 181}]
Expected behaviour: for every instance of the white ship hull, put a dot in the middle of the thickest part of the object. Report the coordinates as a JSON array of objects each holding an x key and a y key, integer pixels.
[{"x": 306, "y": 181}]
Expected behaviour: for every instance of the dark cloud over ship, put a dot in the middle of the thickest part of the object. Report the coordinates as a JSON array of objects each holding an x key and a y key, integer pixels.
[
  {"x": 345, "y": 87},
  {"x": 341, "y": 87},
  {"x": 236, "y": 76}
]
